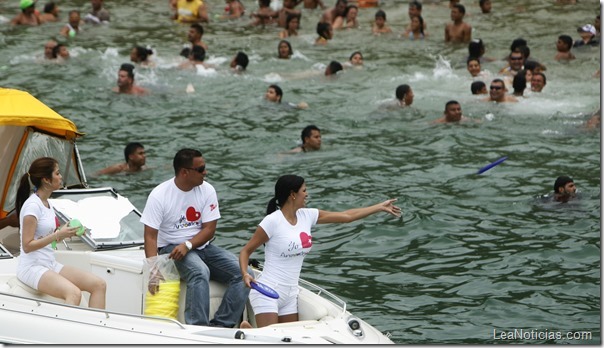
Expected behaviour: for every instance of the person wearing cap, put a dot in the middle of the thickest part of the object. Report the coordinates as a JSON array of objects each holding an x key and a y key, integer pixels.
[
  {"x": 588, "y": 36},
  {"x": 28, "y": 15},
  {"x": 564, "y": 189},
  {"x": 125, "y": 81}
]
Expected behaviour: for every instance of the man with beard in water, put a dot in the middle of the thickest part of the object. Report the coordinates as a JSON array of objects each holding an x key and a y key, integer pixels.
[{"x": 564, "y": 189}]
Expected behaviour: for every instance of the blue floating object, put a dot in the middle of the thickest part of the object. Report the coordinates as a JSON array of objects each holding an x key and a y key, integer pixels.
[
  {"x": 491, "y": 165},
  {"x": 264, "y": 289}
]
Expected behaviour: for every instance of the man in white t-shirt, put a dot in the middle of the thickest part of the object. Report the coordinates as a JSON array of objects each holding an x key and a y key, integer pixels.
[{"x": 180, "y": 219}]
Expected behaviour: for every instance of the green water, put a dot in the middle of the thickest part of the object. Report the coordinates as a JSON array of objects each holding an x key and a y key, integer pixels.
[{"x": 470, "y": 255}]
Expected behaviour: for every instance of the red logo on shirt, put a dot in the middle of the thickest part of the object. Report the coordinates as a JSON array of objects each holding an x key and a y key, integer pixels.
[
  {"x": 306, "y": 240},
  {"x": 192, "y": 214},
  {"x": 212, "y": 207}
]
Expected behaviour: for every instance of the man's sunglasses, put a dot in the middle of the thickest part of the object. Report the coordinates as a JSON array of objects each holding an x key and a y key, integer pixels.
[{"x": 198, "y": 169}]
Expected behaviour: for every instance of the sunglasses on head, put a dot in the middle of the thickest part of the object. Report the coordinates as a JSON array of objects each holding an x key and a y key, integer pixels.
[{"x": 198, "y": 169}]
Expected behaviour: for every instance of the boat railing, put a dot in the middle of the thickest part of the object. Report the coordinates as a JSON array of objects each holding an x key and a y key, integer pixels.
[
  {"x": 323, "y": 293},
  {"x": 107, "y": 313}
]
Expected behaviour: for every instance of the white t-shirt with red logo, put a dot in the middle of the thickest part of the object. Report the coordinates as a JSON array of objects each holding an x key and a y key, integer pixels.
[
  {"x": 287, "y": 245},
  {"x": 177, "y": 214}
]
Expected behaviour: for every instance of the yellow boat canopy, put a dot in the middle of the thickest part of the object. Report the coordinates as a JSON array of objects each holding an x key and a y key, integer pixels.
[{"x": 19, "y": 108}]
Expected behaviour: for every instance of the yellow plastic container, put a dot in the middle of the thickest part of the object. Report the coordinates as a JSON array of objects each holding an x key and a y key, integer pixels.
[{"x": 165, "y": 302}]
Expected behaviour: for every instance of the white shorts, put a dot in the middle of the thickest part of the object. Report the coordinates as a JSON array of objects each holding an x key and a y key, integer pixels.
[
  {"x": 287, "y": 303},
  {"x": 32, "y": 275}
]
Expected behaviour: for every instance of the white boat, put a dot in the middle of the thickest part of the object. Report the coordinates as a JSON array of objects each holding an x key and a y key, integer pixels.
[{"x": 112, "y": 248}]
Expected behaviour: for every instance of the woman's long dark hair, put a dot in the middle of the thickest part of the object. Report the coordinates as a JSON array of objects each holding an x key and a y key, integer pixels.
[
  {"x": 285, "y": 185},
  {"x": 40, "y": 168}
]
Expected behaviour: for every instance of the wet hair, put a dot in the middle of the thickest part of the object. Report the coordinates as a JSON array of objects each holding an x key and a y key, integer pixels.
[
  {"x": 561, "y": 181},
  {"x": 131, "y": 148},
  {"x": 476, "y": 48},
  {"x": 531, "y": 65},
  {"x": 542, "y": 75},
  {"x": 56, "y": 50},
  {"x": 242, "y": 60},
  {"x": 451, "y": 102},
  {"x": 49, "y": 7},
  {"x": 278, "y": 91},
  {"x": 334, "y": 67},
  {"x": 416, "y": 4},
  {"x": 499, "y": 81},
  {"x": 471, "y": 58},
  {"x": 353, "y": 54},
  {"x": 568, "y": 41},
  {"x": 184, "y": 159},
  {"x": 323, "y": 29},
  {"x": 197, "y": 28},
  {"x": 401, "y": 91},
  {"x": 284, "y": 186},
  {"x": 143, "y": 53},
  {"x": 421, "y": 24},
  {"x": 290, "y": 17},
  {"x": 198, "y": 53},
  {"x": 345, "y": 2},
  {"x": 307, "y": 131},
  {"x": 482, "y": 2},
  {"x": 517, "y": 43},
  {"x": 460, "y": 7},
  {"x": 74, "y": 11},
  {"x": 265, "y": 3},
  {"x": 525, "y": 50},
  {"x": 519, "y": 82},
  {"x": 129, "y": 68},
  {"x": 41, "y": 168},
  {"x": 348, "y": 9},
  {"x": 380, "y": 14},
  {"x": 477, "y": 86},
  {"x": 289, "y": 46}
]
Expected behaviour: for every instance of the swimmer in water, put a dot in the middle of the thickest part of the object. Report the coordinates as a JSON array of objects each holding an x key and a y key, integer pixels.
[
  {"x": 380, "y": 26},
  {"x": 274, "y": 94},
  {"x": 140, "y": 55},
  {"x": 292, "y": 24},
  {"x": 564, "y": 189},
  {"x": 452, "y": 113},
  {"x": 325, "y": 32},
  {"x": 239, "y": 62},
  {"x": 125, "y": 81},
  {"x": 284, "y": 50},
  {"x": 73, "y": 26},
  {"x": 497, "y": 93},
  {"x": 478, "y": 87}
]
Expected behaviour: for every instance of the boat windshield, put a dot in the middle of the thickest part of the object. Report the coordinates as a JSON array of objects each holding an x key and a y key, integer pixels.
[
  {"x": 35, "y": 146},
  {"x": 110, "y": 220}
]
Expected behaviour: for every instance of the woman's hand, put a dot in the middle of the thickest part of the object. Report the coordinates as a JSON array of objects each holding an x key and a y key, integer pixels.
[
  {"x": 66, "y": 232},
  {"x": 247, "y": 279},
  {"x": 390, "y": 208}
]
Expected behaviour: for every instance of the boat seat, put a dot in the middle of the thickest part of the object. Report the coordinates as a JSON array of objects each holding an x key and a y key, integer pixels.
[
  {"x": 17, "y": 287},
  {"x": 217, "y": 291},
  {"x": 310, "y": 307}
]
